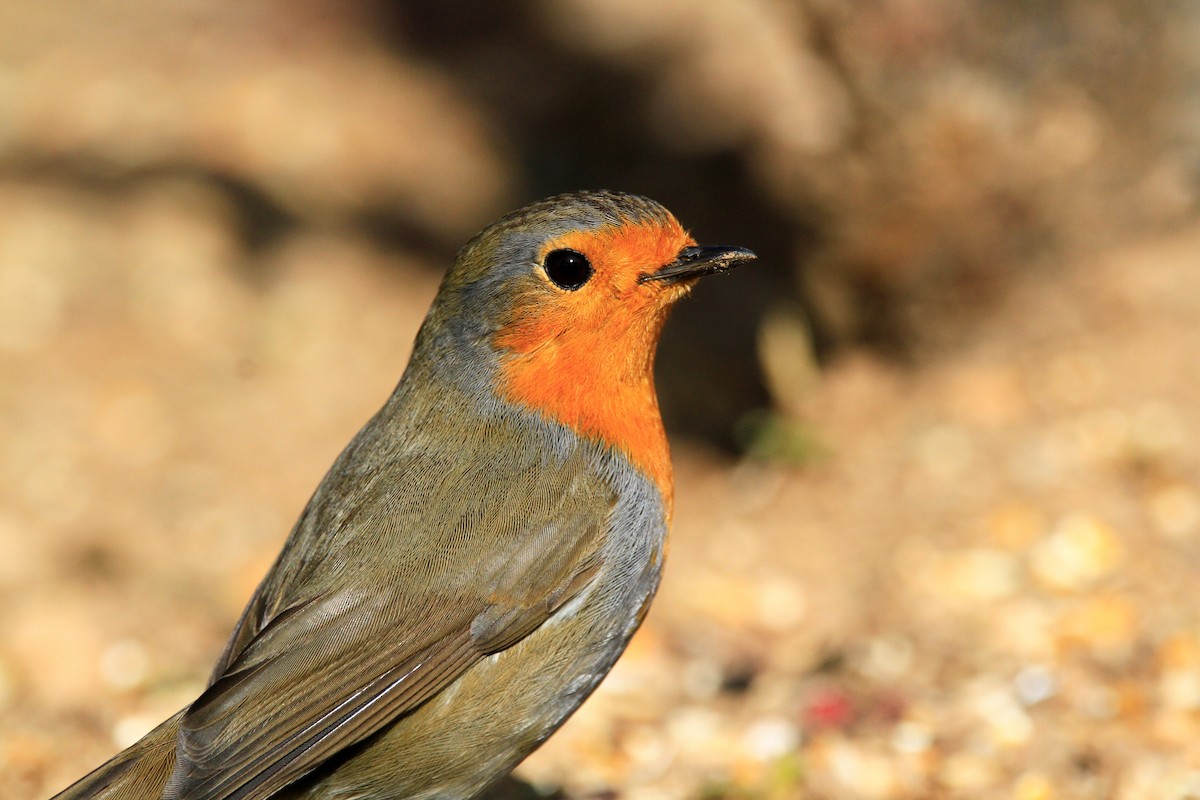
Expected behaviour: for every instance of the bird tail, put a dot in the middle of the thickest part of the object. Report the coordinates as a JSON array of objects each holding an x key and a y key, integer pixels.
[{"x": 137, "y": 773}]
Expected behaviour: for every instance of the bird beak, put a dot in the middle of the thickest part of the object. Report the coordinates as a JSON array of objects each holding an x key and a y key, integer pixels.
[{"x": 693, "y": 262}]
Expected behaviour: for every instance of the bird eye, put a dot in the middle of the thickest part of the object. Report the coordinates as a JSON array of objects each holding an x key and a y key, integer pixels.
[{"x": 568, "y": 269}]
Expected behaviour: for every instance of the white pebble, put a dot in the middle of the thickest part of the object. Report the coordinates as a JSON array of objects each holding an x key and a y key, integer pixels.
[
  {"x": 770, "y": 737},
  {"x": 1034, "y": 684}
]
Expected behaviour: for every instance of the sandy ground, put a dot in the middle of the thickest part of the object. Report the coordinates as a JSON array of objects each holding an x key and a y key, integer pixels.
[{"x": 982, "y": 588}]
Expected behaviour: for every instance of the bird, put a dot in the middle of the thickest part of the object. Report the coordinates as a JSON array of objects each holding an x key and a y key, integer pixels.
[{"x": 479, "y": 555}]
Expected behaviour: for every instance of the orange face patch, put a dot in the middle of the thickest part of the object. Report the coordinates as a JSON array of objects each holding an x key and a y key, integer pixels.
[{"x": 586, "y": 357}]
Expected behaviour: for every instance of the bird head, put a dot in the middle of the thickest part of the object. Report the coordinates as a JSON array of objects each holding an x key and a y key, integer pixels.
[{"x": 570, "y": 294}]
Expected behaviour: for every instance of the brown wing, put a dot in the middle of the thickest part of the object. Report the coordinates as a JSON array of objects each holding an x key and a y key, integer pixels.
[{"x": 348, "y": 641}]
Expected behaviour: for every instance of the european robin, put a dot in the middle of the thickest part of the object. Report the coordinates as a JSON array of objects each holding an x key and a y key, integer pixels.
[{"x": 479, "y": 555}]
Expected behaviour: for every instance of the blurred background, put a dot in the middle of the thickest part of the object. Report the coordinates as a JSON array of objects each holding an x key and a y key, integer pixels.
[{"x": 938, "y": 522}]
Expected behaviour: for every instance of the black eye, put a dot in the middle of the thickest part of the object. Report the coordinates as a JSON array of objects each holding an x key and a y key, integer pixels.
[{"x": 567, "y": 268}]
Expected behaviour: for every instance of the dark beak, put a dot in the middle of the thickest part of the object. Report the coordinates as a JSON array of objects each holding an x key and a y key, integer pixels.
[{"x": 692, "y": 262}]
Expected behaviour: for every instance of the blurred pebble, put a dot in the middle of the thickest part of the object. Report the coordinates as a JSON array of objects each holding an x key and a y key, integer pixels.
[
  {"x": 1180, "y": 652},
  {"x": 1024, "y": 627},
  {"x": 1180, "y": 689},
  {"x": 1040, "y": 461},
  {"x": 887, "y": 658},
  {"x": 776, "y": 603},
  {"x": 1033, "y": 786},
  {"x": 737, "y": 678},
  {"x": 1004, "y": 718},
  {"x": 860, "y": 772},
  {"x": 1034, "y": 684},
  {"x": 910, "y": 737},
  {"x": 1010, "y": 726},
  {"x": 967, "y": 773},
  {"x": 124, "y": 664},
  {"x": 1080, "y": 550},
  {"x": 1100, "y": 702},
  {"x": 652, "y": 793},
  {"x": 770, "y": 738},
  {"x": 1183, "y": 785},
  {"x": 1179, "y": 673},
  {"x": 1145, "y": 779},
  {"x": 1106, "y": 625},
  {"x": 699, "y": 733},
  {"x": 781, "y": 603},
  {"x": 829, "y": 707},
  {"x": 1016, "y": 525},
  {"x": 1175, "y": 510},
  {"x": 648, "y": 750},
  {"x": 981, "y": 574}
]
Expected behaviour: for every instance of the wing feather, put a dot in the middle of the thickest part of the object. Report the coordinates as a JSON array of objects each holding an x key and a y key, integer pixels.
[{"x": 356, "y": 641}]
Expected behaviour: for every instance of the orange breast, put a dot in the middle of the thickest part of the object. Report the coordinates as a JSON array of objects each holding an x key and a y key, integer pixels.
[{"x": 586, "y": 358}]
